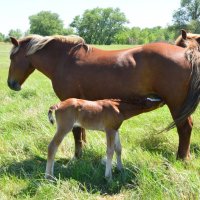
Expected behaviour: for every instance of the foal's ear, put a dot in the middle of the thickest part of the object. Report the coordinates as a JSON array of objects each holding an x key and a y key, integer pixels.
[
  {"x": 184, "y": 34},
  {"x": 14, "y": 41}
]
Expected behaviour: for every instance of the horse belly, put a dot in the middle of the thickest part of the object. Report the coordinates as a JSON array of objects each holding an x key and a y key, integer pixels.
[
  {"x": 121, "y": 85},
  {"x": 90, "y": 125}
]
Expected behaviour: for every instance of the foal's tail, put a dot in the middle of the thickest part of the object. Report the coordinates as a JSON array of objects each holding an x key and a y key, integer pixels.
[
  {"x": 193, "y": 97},
  {"x": 50, "y": 113}
]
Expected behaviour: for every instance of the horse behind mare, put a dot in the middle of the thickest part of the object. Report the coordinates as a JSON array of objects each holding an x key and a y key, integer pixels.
[
  {"x": 82, "y": 71},
  {"x": 186, "y": 38}
]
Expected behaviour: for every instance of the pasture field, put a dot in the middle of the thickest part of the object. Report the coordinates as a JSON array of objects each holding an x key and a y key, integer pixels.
[{"x": 150, "y": 172}]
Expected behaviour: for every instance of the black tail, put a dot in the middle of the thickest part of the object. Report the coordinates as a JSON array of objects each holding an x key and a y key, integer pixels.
[{"x": 193, "y": 97}]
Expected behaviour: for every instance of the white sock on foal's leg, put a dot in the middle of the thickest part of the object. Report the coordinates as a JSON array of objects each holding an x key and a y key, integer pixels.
[
  {"x": 110, "y": 136},
  {"x": 118, "y": 151}
]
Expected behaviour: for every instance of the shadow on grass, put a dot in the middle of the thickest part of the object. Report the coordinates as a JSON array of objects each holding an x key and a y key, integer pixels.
[
  {"x": 160, "y": 145},
  {"x": 30, "y": 169},
  {"x": 87, "y": 171},
  {"x": 195, "y": 149}
]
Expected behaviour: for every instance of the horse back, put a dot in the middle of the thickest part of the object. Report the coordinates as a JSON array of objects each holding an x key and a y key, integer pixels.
[{"x": 124, "y": 74}]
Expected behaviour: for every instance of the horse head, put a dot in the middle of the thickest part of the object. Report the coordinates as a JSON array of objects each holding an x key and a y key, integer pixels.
[
  {"x": 28, "y": 53},
  {"x": 185, "y": 39},
  {"x": 20, "y": 67}
]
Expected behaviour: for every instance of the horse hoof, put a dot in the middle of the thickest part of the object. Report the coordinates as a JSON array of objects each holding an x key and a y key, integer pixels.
[
  {"x": 183, "y": 157},
  {"x": 108, "y": 179},
  {"x": 50, "y": 178},
  {"x": 103, "y": 161},
  {"x": 120, "y": 167},
  {"x": 78, "y": 154}
]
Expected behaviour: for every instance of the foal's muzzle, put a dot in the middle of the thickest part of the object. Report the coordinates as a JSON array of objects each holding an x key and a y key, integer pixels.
[{"x": 14, "y": 85}]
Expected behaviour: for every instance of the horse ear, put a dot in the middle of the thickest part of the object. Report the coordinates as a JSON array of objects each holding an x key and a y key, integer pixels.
[
  {"x": 184, "y": 34},
  {"x": 14, "y": 41}
]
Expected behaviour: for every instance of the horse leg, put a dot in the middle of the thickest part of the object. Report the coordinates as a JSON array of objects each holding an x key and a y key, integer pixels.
[
  {"x": 110, "y": 138},
  {"x": 184, "y": 131},
  {"x": 79, "y": 137},
  {"x": 118, "y": 151},
  {"x": 83, "y": 135},
  {"x": 52, "y": 149}
]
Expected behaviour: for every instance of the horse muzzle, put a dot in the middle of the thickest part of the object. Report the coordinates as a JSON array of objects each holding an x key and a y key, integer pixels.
[{"x": 14, "y": 85}]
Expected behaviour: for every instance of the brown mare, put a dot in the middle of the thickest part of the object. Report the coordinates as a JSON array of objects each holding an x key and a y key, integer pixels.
[
  {"x": 103, "y": 115},
  {"x": 81, "y": 71}
]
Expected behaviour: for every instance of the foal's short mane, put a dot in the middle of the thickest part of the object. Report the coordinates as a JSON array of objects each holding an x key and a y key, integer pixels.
[{"x": 37, "y": 42}]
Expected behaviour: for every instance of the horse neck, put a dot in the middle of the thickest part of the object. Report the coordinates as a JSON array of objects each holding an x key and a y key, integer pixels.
[{"x": 46, "y": 61}]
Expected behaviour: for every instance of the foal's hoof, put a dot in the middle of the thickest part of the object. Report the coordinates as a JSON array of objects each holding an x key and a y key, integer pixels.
[
  {"x": 50, "y": 178},
  {"x": 103, "y": 161},
  {"x": 120, "y": 167},
  {"x": 108, "y": 179}
]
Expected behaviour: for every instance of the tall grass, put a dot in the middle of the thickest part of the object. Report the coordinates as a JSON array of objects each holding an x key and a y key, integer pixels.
[{"x": 151, "y": 170}]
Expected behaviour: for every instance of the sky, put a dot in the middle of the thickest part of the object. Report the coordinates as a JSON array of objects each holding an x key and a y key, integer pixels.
[{"x": 14, "y": 14}]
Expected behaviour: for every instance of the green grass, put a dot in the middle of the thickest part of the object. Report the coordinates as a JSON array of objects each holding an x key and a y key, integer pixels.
[{"x": 151, "y": 170}]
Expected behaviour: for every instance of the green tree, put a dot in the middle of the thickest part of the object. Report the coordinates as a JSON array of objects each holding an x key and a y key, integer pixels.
[
  {"x": 188, "y": 16},
  {"x": 46, "y": 23},
  {"x": 15, "y": 33},
  {"x": 99, "y": 25},
  {"x": 137, "y": 35},
  {"x": 68, "y": 31},
  {"x": 27, "y": 32},
  {"x": 2, "y": 37},
  {"x": 123, "y": 37}
]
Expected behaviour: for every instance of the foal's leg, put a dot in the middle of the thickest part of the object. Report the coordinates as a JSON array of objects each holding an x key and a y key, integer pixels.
[
  {"x": 184, "y": 130},
  {"x": 79, "y": 137},
  {"x": 118, "y": 151},
  {"x": 52, "y": 149},
  {"x": 110, "y": 137}
]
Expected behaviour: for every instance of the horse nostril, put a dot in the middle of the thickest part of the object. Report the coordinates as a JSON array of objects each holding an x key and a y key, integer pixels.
[{"x": 14, "y": 85}]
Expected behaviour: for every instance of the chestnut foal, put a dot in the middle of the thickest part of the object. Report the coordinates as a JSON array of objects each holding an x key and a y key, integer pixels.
[{"x": 103, "y": 115}]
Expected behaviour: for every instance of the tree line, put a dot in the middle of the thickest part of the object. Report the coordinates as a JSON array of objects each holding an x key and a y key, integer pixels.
[{"x": 109, "y": 26}]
